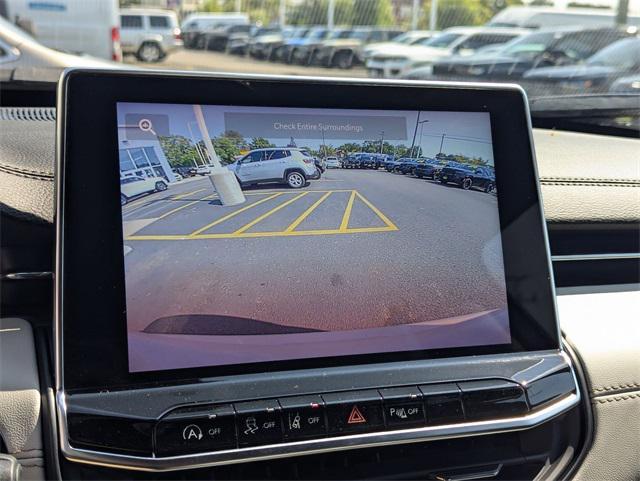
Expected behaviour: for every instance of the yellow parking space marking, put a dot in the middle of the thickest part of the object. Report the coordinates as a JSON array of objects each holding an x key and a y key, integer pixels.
[
  {"x": 233, "y": 214},
  {"x": 173, "y": 211},
  {"x": 382, "y": 217},
  {"x": 247, "y": 235},
  {"x": 267, "y": 214},
  {"x": 293, "y": 191},
  {"x": 347, "y": 212},
  {"x": 307, "y": 212},
  {"x": 290, "y": 231}
]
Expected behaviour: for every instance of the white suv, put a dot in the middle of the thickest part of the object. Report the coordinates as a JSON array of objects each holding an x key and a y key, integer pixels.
[
  {"x": 289, "y": 165},
  {"x": 149, "y": 34}
]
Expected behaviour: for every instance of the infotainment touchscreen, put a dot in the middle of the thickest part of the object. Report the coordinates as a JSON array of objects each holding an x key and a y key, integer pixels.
[{"x": 353, "y": 232}]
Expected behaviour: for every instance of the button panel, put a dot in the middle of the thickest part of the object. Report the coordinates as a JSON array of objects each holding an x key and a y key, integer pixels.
[{"x": 199, "y": 429}]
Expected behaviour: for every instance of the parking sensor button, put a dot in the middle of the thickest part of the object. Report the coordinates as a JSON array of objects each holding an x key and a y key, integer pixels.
[{"x": 403, "y": 407}]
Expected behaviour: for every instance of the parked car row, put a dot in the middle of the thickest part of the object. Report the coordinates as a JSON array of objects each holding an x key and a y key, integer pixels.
[
  {"x": 544, "y": 49},
  {"x": 441, "y": 170},
  {"x": 342, "y": 47}
]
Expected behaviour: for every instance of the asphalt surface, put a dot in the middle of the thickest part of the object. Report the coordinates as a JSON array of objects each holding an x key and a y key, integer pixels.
[
  {"x": 200, "y": 60},
  {"x": 411, "y": 251}
]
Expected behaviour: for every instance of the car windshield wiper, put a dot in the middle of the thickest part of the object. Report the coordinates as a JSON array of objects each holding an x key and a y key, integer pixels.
[{"x": 609, "y": 114}]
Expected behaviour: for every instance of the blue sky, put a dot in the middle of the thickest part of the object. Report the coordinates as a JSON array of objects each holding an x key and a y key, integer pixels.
[{"x": 467, "y": 133}]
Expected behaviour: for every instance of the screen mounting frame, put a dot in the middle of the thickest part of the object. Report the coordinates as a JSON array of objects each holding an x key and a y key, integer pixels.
[{"x": 92, "y": 348}]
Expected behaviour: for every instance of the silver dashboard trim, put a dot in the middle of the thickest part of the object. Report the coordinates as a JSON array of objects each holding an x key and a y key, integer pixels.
[
  {"x": 596, "y": 257},
  {"x": 314, "y": 446}
]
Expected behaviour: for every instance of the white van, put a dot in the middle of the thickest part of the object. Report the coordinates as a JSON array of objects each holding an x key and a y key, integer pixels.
[
  {"x": 89, "y": 27},
  {"x": 196, "y": 24},
  {"x": 537, "y": 17}
]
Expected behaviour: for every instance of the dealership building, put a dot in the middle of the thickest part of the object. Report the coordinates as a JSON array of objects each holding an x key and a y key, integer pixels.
[{"x": 142, "y": 158}]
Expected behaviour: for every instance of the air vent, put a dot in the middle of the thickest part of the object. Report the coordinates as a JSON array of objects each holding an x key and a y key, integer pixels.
[{"x": 43, "y": 114}]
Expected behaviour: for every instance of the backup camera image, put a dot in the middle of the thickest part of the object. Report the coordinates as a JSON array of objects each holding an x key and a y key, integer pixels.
[{"x": 256, "y": 234}]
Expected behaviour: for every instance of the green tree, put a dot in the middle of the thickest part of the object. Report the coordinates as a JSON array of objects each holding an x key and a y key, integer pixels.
[
  {"x": 453, "y": 13},
  {"x": 349, "y": 147},
  {"x": 260, "y": 143},
  {"x": 372, "y": 12},
  {"x": 228, "y": 146},
  {"x": 179, "y": 151}
]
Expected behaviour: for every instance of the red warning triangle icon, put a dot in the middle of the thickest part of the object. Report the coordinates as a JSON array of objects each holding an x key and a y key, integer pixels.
[{"x": 356, "y": 416}]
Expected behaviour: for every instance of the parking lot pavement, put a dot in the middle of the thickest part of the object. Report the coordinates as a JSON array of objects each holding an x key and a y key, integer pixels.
[
  {"x": 221, "y": 62},
  {"x": 356, "y": 249}
]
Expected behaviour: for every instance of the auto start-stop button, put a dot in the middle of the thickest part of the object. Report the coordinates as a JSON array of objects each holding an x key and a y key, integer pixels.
[{"x": 196, "y": 432}]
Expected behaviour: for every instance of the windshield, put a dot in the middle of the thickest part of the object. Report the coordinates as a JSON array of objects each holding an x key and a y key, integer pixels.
[
  {"x": 534, "y": 43},
  {"x": 624, "y": 53},
  {"x": 443, "y": 40},
  {"x": 220, "y": 36}
]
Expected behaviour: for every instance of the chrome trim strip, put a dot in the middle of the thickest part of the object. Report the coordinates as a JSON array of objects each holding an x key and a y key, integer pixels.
[
  {"x": 314, "y": 446},
  {"x": 27, "y": 276},
  {"x": 596, "y": 257}
]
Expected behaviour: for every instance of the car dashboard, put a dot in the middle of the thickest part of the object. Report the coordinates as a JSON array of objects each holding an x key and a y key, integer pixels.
[{"x": 567, "y": 414}]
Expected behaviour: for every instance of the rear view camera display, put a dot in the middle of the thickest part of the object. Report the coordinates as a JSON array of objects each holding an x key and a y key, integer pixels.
[{"x": 258, "y": 234}]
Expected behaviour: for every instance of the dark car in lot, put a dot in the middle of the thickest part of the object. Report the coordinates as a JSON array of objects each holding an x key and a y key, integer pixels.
[
  {"x": 293, "y": 48},
  {"x": 354, "y": 160},
  {"x": 544, "y": 48},
  {"x": 597, "y": 74},
  {"x": 409, "y": 165},
  {"x": 347, "y": 52},
  {"x": 392, "y": 163},
  {"x": 219, "y": 38},
  {"x": 240, "y": 43},
  {"x": 467, "y": 176},
  {"x": 430, "y": 169}
]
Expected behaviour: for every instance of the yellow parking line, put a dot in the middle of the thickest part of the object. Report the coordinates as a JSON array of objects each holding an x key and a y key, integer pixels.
[
  {"x": 382, "y": 217},
  {"x": 247, "y": 235},
  {"x": 294, "y": 192},
  {"x": 233, "y": 214},
  {"x": 347, "y": 212},
  {"x": 173, "y": 211},
  {"x": 267, "y": 214},
  {"x": 307, "y": 212}
]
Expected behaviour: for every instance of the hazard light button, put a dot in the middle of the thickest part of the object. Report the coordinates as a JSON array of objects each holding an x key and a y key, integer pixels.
[{"x": 354, "y": 412}]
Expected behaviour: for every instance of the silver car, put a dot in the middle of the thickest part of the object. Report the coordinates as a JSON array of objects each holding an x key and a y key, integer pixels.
[
  {"x": 149, "y": 34},
  {"x": 292, "y": 166}
]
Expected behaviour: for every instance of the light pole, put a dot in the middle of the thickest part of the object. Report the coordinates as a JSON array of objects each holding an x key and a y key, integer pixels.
[
  {"x": 415, "y": 132},
  {"x": 381, "y": 141},
  {"x": 331, "y": 10},
  {"x": 433, "y": 15},
  {"x": 441, "y": 143}
]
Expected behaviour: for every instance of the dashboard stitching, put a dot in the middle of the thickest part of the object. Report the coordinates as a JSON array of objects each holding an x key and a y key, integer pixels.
[
  {"x": 29, "y": 174},
  {"x": 595, "y": 179},
  {"x": 588, "y": 184},
  {"x": 614, "y": 388},
  {"x": 626, "y": 397}
]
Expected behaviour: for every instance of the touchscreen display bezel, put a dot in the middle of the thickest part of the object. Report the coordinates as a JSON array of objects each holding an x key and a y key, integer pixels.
[{"x": 90, "y": 289}]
